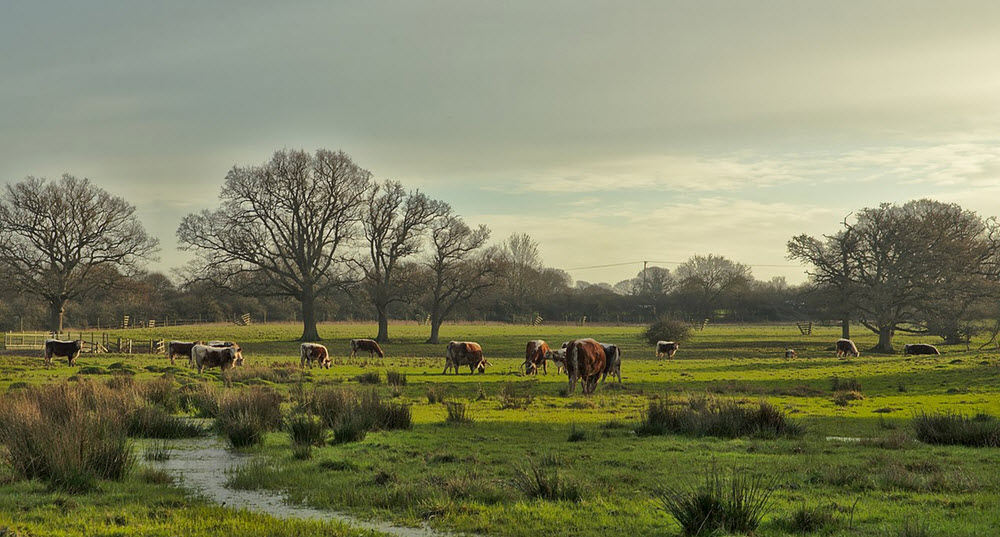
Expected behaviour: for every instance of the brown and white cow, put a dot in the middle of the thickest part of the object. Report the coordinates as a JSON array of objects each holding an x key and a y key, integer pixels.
[
  {"x": 58, "y": 347},
  {"x": 317, "y": 352},
  {"x": 585, "y": 361},
  {"x": 558, "y": 357},
  {"x": 467, "y": 353},
  {"x": 790, "y": 353},
  {"x": 535, "y": 356},
  {"x": 920, "y": 348},
  {"x": 180, "y": 348},
  {"x": 667, "y": 348},
  {"x": 224, "y": 358},
  {"x": 613, "y": 362},
  {"x": 846, "y": 347},
  {"x": 218, "y": 344},
  {"x": 369, "y": 345}
]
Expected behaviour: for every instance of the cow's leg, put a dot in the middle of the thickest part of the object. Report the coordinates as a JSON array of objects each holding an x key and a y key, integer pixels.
[
  {"x": 171, "y": 356},
  {"x": 544, "y": 367}
]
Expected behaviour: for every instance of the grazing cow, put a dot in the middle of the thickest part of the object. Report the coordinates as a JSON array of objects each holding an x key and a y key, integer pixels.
[
  {"x": 613, "y": 362},
  {"x": 790, "y": 353},
  {"x": 534, "y": 356},
  {"x": 218, "y": 344},
  {"x": 920, "y": 348},
  {"x": 180, "y": 348},
  {"x": 585, "y": 361},
  {"x": 315, "y": 351},
  {"x": 58, "y": 347},
  {"x": 667, "y": 348},
  {"x": 465, "y": 353},
  {"x": 369, "y": 345},
  {"x": 846, "y": 347},
  {"x": 558, "y": 357},
  {"x": 221, "y": 357}
]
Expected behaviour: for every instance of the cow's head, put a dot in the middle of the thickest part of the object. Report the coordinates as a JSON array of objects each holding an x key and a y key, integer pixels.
[
  {"x": 237, "y": 355},
  {"x": 481, "y": 366},
  {"x": 556, "y": 355}
]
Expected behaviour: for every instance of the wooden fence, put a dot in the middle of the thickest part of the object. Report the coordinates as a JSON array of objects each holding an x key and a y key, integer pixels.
[{"x": 92, "y": 342}]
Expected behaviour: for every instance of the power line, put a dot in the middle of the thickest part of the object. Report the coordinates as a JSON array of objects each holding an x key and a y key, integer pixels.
[{"x": 668, "y": 263}]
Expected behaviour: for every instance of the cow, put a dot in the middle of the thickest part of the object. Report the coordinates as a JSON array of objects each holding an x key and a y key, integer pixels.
[
  {"x": 180, "y": 348},
  {"x": 222, "y": 357},
  {"x": 790, "y": 353},
  {"x": 667, "y": 348},
  {"x": 317, "y": 352},
  {"x": 846, "y": 347},
  {"x": 920, "y": 348},
  {"x": 534, "y": 356},
  {"x": 58, "y": 347},
  {"x": 467, "y": 353},
  {"x": 558, "y": 357},
  {"x": 218, "y": 344},
  {"x": 585, "y": 361},
  {"x": 613, "y": 362},
  {"x": 369, "y": 345}
]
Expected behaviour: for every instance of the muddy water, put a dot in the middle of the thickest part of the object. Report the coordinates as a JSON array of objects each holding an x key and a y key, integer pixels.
[{"x": 200, "y": 464}]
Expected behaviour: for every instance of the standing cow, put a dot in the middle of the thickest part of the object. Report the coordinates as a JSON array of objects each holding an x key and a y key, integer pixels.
[
  {"x": 790, "y": 353},
  {"x": 534, "y": 356},
  {"x": 667, "y": 348},
  {"x": 919, "y": 348},
  {"x": 467, "y": 353},
  {"x": 180, "y": 348},
  {"x": 558, "y": 357},
  {"x": 224, "y": 358},
  {"x": 585, "y": 361},
  {"x": 369, "y": 345},
  {"x": 58, "y": 347},
  {"x": 220, "y": 345},
  {"x": 613, "y": 362},
  {"x": 846, "y": 347},
  {"x": 314, "y": 352}
]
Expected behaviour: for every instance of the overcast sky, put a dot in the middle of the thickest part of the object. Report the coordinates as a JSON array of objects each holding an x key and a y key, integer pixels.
[{"x": 609, "y": 131}]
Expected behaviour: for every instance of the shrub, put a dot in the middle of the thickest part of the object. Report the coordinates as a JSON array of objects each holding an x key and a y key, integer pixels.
[
  {"x": 838, "y": 384},
  {"x": 949, "y": 428},
  {"x": 733, "y": 504},
  {"x": 69, "y": 435},
  {"x": 457, "y": 413},
  {"x": 667, "y": 329},
  {"x": 246, "y": 416},
  {"x": 371, "y": 377},
  {"x": 725, "y": 419},
  {"x": 544, "y": 482},
  {"x": 154, "y": 422},
  {"x": 510, "y": 398},
  {"x": 306, "y": 430},
  {"x": 395, "y": 378}
]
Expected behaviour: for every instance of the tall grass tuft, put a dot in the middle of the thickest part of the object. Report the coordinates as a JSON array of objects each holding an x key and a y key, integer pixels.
[
  {"x": 435, "y": 394},
  {"x": 68, "y": 435},
  {"x": 201, "y": 399},
  {"x": 510, "y": 398},
  {"x": 838, "y": 384},
  {"x": 458, "y": 412},
  {"x": 352, "y": 414},
  {"x": 809, "y": 520},
  {"x": 245, "y": 416},
  {"x": 725, "y": 419},
  {"x": 156, "y": 451},
  {"x": 305, "y": 429},
  {"x": 950, "y": 428},
  {"x": 722, "y": 504},
  {"x": 536, "y": 481},
  {"x": 161, "y": 392},
  {"x": 371, "y": 377},
  {"x": 150, "y": 421},
  {"x": 395, "y": 378}
]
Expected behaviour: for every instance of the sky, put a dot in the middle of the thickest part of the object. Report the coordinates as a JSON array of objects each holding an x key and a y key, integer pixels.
[{"x": 611, "y": 132}]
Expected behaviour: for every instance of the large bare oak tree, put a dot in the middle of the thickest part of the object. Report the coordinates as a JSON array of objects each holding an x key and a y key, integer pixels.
[
  {"x": 282, "y": 228},
  {"x": 64, "y": 239}
]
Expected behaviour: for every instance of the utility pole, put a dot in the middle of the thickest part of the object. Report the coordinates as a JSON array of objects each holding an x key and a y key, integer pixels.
[{"x": 644, "y": 287}]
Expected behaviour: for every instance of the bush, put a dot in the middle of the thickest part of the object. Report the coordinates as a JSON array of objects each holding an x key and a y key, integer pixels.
[
  {"x": 306, "y": 430},
  {"x": 371, "y": 377},
  {"x": 667, "y": 329},
  {"x": 68, "y": 435},
  {"x": 733, "y": 504},
  {"x": 246, "y": 416},
  {"x": 545, "y": 483},
  {"x": 395, "y": 378},
  {"x": 949, "y": 428},
  {"x": 725, "y": 419},
  {"x": 154, "y": 422},
  {"x": 457, "y": 413}
]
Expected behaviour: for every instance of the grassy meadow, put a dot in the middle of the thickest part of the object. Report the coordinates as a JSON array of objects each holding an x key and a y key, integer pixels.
[{"x": 530, "y": 460}]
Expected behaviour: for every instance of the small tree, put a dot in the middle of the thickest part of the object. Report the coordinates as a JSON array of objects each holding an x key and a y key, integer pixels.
[
  {"x": 667, "y": 329},
  {"x": 63, "y": 239}
]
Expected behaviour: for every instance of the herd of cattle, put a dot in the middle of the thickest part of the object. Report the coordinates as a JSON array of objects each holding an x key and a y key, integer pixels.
[{"x": 583, "y": 360}]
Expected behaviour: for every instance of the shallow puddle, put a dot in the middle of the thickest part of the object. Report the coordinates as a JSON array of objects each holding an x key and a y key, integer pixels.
[{"x": 200, "y": 464}]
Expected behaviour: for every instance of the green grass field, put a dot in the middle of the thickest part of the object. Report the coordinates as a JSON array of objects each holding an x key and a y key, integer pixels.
[{"x": 461, "y": 477}]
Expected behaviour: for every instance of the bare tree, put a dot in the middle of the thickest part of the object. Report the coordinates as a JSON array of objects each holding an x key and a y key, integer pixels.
[
  {"x": 522, "y": 267},
  {"x": 394, "y": 225},
  {"x": 910, "y": 263},
  {"x": 833, "y": 269},
  {"x": 64, "y": 239},
  {"x": 282, "y": 228},
  {"x": 709, "y": 279},
  {"x": 459, "y": 267}
]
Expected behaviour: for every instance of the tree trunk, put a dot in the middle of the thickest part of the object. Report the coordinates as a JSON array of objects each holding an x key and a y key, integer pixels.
[
  {"x": 845, "y": 327},
  {"x": 57, "y": 310},
  {"x": 435, "y": 330},
  {"x": 309, "y": 331},
  {"x": 383, "y": 326},
  {"x": 885, "y": 334}
]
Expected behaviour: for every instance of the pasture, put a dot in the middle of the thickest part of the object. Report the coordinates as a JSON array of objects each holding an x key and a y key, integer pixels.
[{"x": 532, "y": 461}]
